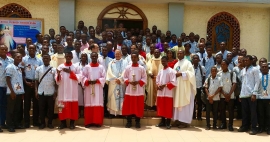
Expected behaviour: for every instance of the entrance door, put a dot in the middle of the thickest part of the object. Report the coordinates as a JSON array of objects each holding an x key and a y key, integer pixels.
[
  {"x": 128, "y": 14},
  {"x": 128, "y": 24}
]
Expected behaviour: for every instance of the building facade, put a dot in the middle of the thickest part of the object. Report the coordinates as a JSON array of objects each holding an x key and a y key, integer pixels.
[{"x": 242, "y": 23}]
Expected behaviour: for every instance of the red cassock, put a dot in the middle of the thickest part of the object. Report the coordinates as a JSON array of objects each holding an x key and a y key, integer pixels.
[
  {"x": 93, "y": 94},
  {"x": 68, "y": 92},
  {"x": 165, "y": 97},
  {"x": 134, "y": 97},
  {"x": 172, "y": 63}
]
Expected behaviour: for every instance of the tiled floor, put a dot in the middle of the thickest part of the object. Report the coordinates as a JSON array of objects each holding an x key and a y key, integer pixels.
[{"x": 120, "y": 134}]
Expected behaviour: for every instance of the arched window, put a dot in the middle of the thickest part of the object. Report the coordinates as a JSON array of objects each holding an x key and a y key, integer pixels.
[
  {"x": 14, "y": 10},
  {"x": 130, "y": 15},
  {"x": 223, "y": 27}
]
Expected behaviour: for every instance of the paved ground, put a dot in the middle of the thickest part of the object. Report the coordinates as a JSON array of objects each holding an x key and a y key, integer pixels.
[{"x": 120, "y": 134}]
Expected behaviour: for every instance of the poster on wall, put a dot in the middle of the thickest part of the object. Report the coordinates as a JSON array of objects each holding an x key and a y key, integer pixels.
[{"x": 14, "y": 31}]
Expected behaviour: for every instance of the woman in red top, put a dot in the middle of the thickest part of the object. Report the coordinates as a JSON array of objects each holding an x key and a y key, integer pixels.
[{"x": 171, "y": 59}]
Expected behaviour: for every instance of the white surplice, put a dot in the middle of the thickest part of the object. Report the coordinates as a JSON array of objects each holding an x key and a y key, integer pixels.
[
  {"x": 68, "y": 91},
  {"x": 93, "y": 94}
]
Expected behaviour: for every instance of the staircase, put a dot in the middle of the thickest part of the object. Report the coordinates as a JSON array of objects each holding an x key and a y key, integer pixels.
[{"x": 150, "y": 118}]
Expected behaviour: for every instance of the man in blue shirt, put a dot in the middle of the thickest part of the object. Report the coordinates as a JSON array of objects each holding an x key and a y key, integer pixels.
[
  {"x": 209, "y": 61},
  {"x": 193, "y": 43},
  {"x": 15, "y": 90},
  {"x": 4, "y": 62},
  {"x": 173, "y": 41},
  {"x": 30, "y": 63},
  {"x": 249, "y": 91},
  {"x": 223, "y": 49},
  {"x": 110, "y": 50},
  {"x": 263, "y": 100}
]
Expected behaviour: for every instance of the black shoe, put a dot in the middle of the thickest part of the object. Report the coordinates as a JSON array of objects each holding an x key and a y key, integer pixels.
[
  {"x": 161, "y": 124},
  {"x": 242, "y": 129},
  {"x": 268, "y": 132},
  {"x": 253, "y": 132},
  {"x": 138, "y": 125},
  {"x": 50, "y": 126},
  {"x": 222, "y": 126},
  {"x": 62, "y": 126},
  {"x": 260, "y": 130},
  {"x": 1, "y": 130},
  {"x": 207, "y": 128},
  {"x": 72, "y": 127},
  {"x": 11, "y": 129},
  {"x": 128, "y": 125},
  {"x": 98, "y": 126},
  {"x": 168, "y": 126},
  {"x": 87, "y": 126},
  {"x": 231, "y": 128},
  {"x": 4, "y": 127},
  {"x": 19, "y": 127},
  {"x": 41, "y": 126},
  {"x": 215, "y": 127},
  {"x": 36, "y": 124},
  {"x": 199, "y": 119},
  {"x": 26, "y": 126}
]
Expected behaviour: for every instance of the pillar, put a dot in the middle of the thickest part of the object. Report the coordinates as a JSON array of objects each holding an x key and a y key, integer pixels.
[
  {"x": 176, "y": 18},
  {"x": 67, "y": 14}
]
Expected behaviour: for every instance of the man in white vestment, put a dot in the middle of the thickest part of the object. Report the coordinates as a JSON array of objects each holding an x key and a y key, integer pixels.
[
  {"x": 116, "y": 83},
  {"x": 185, "y": 91}
]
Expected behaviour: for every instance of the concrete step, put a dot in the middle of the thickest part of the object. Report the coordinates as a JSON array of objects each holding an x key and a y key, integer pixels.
[
  {"x": 145, "y": 121},
  {"x": 148, "y": 113}
]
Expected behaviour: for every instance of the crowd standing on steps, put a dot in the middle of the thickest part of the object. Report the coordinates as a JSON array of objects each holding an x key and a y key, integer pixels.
[{"x": 94, "y": 74}]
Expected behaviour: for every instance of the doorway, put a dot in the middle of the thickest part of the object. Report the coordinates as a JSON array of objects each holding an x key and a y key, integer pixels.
[
  {"x": 128, "y": 24},
  {"x": 130, "y": 15}
]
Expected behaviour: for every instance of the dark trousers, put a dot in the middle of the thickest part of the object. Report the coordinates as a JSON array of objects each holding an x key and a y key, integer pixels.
[
  {"x": 264, "y": 113},
  {"x": 46, "y": 108},
  {"x": 214, "y": 108},
  {"x": 3, "y": 105},
  {"x": 198, "y": 99},
  {"x": 129, "y": 119},
  {"x": 166, "y": 121},
  {"x": 239, "y": 108},
  {"x": 28, "y": 97},
  {"x": 222, "y": 105},
  {"x": 105, "y": 96},
  {"x": 249, "y": 113},
  {"x": 13, "y": 111},
  {"x": 21, "y": 111}
]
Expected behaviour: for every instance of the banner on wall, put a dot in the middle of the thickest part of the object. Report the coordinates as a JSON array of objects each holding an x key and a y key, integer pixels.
[{"x": 14, "y": 31}]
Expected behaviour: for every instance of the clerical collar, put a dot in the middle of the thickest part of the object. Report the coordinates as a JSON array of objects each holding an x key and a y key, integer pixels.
[
  {"x": 135, "y": 64},
  {"x": 94, "y": 64},
  {"x": 68, "y": 64},
  {"x": 165, "y": 68}
]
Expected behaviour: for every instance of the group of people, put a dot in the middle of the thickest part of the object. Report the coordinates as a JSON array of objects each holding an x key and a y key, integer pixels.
[{"x": 92, "y": 74}]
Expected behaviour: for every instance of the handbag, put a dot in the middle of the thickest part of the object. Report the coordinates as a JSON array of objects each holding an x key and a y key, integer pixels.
[{"x": 203, "y": 93}]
